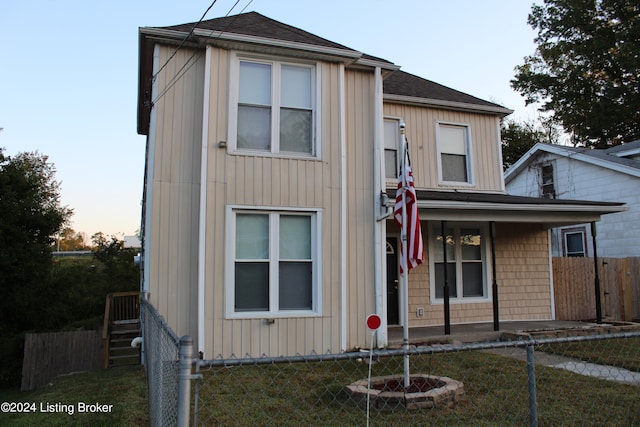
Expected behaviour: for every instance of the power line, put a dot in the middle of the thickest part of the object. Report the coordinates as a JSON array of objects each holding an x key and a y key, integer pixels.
[
  {"x": 183, "y": 41},
  {"x": 183, "y": 70}
]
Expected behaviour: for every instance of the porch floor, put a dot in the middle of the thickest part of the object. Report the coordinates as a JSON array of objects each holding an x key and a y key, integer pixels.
[{"x": 480, "y": 332}]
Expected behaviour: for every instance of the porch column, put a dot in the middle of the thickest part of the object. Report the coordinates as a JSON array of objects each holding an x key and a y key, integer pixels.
[
  {"x": 447, "y": 313},
  {"x": 494, "y": 286},
  {"x": 597, "y": 276}
]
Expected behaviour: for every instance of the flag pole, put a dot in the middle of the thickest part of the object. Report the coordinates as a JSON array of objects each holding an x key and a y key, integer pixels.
[{"x": 403, "y": 261}]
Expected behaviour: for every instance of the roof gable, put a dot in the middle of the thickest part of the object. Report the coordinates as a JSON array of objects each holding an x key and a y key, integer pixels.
[{"x": 598, "y": 157}]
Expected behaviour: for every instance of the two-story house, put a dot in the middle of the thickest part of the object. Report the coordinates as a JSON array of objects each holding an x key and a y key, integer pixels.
[
  {"x": 270, "y": 176},
  {"x": 561, "y": 172}
]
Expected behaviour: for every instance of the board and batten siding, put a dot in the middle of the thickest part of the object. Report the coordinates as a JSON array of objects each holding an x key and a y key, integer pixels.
[
  {"x": 421, "y": 124},
  {"x": 272, "y": 182},
  {"x": 172, "y": 217},
  {"x": 359, "y": 118}
]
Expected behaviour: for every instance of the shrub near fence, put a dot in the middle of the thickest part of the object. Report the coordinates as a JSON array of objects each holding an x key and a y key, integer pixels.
[{"x": 574, "y": 288}]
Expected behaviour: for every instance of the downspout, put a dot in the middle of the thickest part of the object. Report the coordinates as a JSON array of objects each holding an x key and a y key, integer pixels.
[
  {"x": 380, "y": 260},
  {"x": 202, "y": 223},
  {"x": 343, "y": 211}
]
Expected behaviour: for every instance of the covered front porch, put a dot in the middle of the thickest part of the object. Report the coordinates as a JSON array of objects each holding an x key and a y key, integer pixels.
[{"x": 512, "y": 264}]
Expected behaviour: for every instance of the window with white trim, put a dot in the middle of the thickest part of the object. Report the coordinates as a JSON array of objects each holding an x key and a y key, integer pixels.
[
  {"x": 391, "y": 144},
  {"x": 275, "y": 262},
  {"x": 454, "y": 153},
  {"x": 547, "y": 181},
  {"x": 573, "y": 242},
  {"x": 466, "y": 261},
  {"x": 274, "y": 107}
]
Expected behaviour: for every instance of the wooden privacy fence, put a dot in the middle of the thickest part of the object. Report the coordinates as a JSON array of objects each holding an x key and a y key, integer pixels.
[
  {"x": 48, "y": 355},
  {"x": 574, "y": 288}
]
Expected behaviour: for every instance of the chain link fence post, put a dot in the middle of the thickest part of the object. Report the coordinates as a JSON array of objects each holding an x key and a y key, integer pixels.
[
  {"x": 531, "y": 376},
  {"x": 184, "y": 380}
]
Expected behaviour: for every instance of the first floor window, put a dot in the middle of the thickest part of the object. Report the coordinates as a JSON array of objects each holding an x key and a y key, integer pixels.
[
  {"x": 275, "y": 261},
  {"x": 465, "y": 260}
]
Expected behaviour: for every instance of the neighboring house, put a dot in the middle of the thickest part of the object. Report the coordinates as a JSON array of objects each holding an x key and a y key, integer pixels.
[
  {"x": 608, "y": 175},
  {"x": 270, "y": 177}
]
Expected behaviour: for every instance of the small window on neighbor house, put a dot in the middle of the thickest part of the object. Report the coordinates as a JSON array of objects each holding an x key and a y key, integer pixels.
[
  {"x": 548, "y": 190},
  {"x": 574, "y": 243},
  {"x": 454, "y": 152},
  {"x": 391, "y": 143}
]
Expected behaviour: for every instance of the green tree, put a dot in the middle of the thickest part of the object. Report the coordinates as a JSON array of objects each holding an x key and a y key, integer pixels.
[
  {"x": 519, "y": 137},
  {"x": 586, "y": 68},
  {"x": 31, "y": 215},
  {"x": 71, "y": 240}
]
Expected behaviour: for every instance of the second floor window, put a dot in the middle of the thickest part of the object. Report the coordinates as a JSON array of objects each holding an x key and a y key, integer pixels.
[
  {"x": 454, "y": 153},
  {"x": 275, "y": 107},
  {"x": 547, "y": 183}
]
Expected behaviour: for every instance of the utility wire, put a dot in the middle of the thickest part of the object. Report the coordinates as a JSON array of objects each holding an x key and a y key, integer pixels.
[
  {"x": 183, "y": 41},
  {"x": 189, "y": 63}
]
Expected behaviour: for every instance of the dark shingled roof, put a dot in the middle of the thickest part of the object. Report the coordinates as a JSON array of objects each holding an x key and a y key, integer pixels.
[
  {"x": 257, "y": 25},
  {"x": 402, "y": 83}
]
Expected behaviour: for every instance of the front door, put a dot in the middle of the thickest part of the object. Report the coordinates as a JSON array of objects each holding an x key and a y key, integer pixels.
[{"x": 393, "y": 313}]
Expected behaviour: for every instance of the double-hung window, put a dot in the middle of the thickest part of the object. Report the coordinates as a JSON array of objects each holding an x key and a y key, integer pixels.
[
  {"x": 391, "y": 144},
  {"x": 275, "y": 263},
  {"x": 465, "y": 261},
  {"x": 454, "y": 153},
  {"x": 274, "y": 108}
]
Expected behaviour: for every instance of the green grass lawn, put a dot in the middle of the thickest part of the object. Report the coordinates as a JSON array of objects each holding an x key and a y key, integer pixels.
[
  {"x": 124, "y": 388},
  {"x": 312, "y": 394}
]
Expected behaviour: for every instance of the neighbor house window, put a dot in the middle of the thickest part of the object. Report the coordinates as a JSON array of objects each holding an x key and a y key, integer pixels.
[
  {"x": 547, "y": 186},
  {"x": 465, "y": 263},
  {"x": 274, "y": 110},
  {"x": 454, "y": 153},
  {"x": 573, "y": 242},
  {"x": 275, "y": 262},
  {"x": 391, "y": 144}
]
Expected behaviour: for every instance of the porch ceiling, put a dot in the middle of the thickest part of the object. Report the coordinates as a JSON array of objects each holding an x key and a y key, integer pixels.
[{"x": 501, "y": 207}]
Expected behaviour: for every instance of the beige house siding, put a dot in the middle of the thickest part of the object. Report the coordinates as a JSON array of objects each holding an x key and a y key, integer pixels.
[
  {"x": 421, "y": 124},
  {"x": 522, "y": 267},
  {"x": 523, "y": 271},
  {"x": 272, "y": 182},
  {"x": 360, "y": 204},
  {"x": 173, "y": 222}
]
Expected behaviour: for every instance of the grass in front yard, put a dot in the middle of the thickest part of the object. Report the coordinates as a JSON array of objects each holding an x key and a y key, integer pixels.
[
  {"x": 312, "y": 394},
  {"x": 123, "y": 387},
  {"x": 621, "y": 353}
]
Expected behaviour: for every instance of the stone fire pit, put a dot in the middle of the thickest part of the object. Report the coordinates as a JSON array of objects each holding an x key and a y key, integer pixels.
[{"x": 425, "y": 391}]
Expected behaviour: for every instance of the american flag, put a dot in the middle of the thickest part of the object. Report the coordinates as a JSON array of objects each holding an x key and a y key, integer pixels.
[{"x": 413, "y": 231}]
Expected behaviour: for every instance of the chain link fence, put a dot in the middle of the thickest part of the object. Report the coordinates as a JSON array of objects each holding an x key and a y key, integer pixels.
[
  {"x": 160, "y": 357},
  {"x": 588, "y": 380},
  {"x": 585, "y": 380}
]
